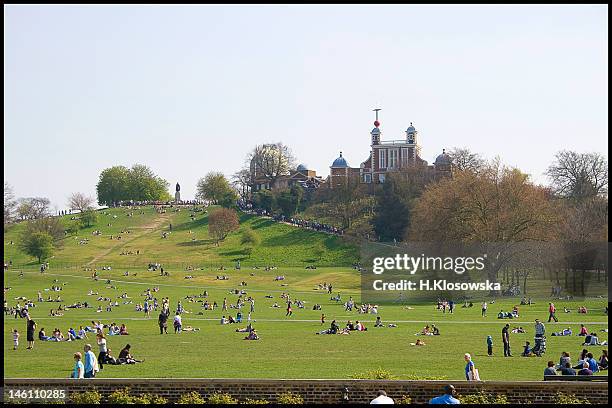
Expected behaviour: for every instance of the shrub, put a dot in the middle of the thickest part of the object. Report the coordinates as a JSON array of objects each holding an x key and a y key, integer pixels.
[
  {"x": 378, "y": 374},
  {"x": 191, "y": 398},
  {"x": 405, "y": 400},
  {"x": 561, "y": 398},
  {"x": 483, "y": 398},
  {"x": 87, "y": 397},
  {"x": 221, "y": 399},
  {"x": 254, "y": 401},
  {"x": 121, "y": 396},
  {"x": 150, "y": 399},
  {"x": 289, "y": 398}
]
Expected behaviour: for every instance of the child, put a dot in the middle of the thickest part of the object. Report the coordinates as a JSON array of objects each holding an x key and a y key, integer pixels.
[
  {"x": 527, "y": 351},
  {"x": 489, "y": 345},
  {"x": 322, "y": 319},
  {"x": 15, "y": 339}
]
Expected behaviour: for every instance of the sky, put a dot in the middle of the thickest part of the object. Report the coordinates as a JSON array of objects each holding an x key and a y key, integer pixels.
[{"x": 191, "y": 89}]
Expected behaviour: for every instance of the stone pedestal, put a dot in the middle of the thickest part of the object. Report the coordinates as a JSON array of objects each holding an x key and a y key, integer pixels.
[{"x": 177, "y": 197}]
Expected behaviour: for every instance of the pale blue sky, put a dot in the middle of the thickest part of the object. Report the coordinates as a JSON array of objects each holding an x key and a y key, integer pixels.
[{"x": 190, "y": 89}]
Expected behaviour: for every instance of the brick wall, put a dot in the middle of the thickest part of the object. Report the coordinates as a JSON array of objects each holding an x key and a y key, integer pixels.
[{"x": 323, "y": 391}]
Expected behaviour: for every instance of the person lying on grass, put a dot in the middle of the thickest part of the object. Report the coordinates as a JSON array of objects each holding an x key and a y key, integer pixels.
[{"x": 252, "y": 335}]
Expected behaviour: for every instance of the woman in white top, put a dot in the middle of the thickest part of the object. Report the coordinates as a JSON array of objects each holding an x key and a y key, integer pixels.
[{"x": 102, "y": 344}]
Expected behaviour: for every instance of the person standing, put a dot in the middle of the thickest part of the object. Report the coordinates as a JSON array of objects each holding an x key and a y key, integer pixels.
[
  {"x": 551, "y": 312},
  {"x": 506, "y": 340},
  {"x": 484, "y": 309},
  {"x": 163, "y": 322},
  {"x": 451, "y": 306},
  {"x": 490, "y": 345},
  {"x": 178, "y": 323},
  {"x": 102, "y": 345},
  {"x": 15, "y": 339},
  {"x": 30, "y": 332}
]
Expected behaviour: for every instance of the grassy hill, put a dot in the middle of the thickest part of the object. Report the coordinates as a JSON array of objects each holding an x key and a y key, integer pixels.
[{"x": 187, "y": 244}]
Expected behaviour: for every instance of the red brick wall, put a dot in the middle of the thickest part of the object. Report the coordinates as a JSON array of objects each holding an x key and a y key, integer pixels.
[{"x": 323, "y": 391}]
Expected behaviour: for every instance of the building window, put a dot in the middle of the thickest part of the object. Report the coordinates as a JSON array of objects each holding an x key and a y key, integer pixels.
[
  {"x": 393, "y": 158},
  {"x": 367, "y": 178},
  {"x": 382, "y": 159},
  {"x": 404, "y": 156},
  {"x": 381, "y": 178}
]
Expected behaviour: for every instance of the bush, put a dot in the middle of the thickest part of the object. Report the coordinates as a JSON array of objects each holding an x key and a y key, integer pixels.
[
  {"x": 191, "y": 398},
  {"x": 87, "y": 397},
  {"x": 569, "y": 399},
  {"x": 221, "y": 399},
  {"x": 378, "y": 374},
  {"x": 121, "y": 396},
  {"x": 150, "y": 399},
  {"x": 405, "y": 400},
  {"x": 289, "y": 398},
  {"x": 483, "y": 398},
  {"x": 254, "y": 401}
]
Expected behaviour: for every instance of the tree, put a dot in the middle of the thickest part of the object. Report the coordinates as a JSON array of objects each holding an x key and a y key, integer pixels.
[
  {"x": 9, "y": 204},
  {"x": 579, "y": 175},
  {"x": 33, "y": 208},
  {"x": 144, "y": 185},
  {"x": 54, "y": 226},
  {"x": 270, "y": 161},
  {"x": 79, "y": 201},
  {"x": 37, "y": 244},
  {"x": 242, "y": 180},
  {"x": 496, "y": 207},
  {"x": 88, "y": 217},
  {"x": 139, "y": 183},
  {"x": 463, "y": 159},
  {"x": 217, "y": 189},
  {"x": 392, "y": 212},
  {"x": 113, "y": 185},
  {"x": 221, "y": 222},
  {"x": 249, "y": 240},
  {"x": 265, "y": 200}
]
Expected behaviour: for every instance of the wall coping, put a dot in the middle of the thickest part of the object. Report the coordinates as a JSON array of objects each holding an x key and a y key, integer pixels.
[{"x": 287, "y": 381}]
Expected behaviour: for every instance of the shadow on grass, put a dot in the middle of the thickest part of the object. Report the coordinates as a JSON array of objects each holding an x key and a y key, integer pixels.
[
  {"x": 189, "y": 225},
  {"x": 198, "y": 242}
]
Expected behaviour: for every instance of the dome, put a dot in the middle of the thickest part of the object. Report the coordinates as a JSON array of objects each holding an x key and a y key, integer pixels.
[
  {"x": 340, "y": 162},
  {"x": 302, "y": 167},
  {"x": 410, "y": 129},
  {"x": 375, "y": 131},
  {"x": 443, "y": 159}
]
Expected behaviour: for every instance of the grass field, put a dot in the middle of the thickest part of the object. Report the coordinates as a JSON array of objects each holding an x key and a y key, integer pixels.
[{"x": 288, "y": 347}]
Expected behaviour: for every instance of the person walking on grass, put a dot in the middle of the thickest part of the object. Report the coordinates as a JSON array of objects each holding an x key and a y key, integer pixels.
[
  {"x": 31, "y": 327},
  {"x": 471, "y": 373},
  {"x": 551, "y": 312},
  {"x": 289, "y": 309},
  {"x": 78, "y": 371},
  {"x": 101, "y": 340}
]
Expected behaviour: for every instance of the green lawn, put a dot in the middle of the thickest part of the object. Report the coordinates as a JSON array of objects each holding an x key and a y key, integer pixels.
[{"x": 288, "y": 347}]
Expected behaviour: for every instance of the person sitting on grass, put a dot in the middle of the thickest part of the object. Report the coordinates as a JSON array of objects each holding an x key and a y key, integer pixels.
[
  {"x": 378, "y": 322},
  {"x": 603, "y": 360},
  {"x": 108, "y": 359},
  {"x": 126, "y": 358},
  {"x": 550, "y": 369},
  {"x": 333, "y": 329},
  {"x": 123, "y": 330},
  {"x": 583, "y": 330},
  {"x": 418, "y": 343},
  {"x": 41, "y": 335},
  {"x": 247, "y": 329},
  {"x": 434, "y": 330},
  {"x": 568, "y": 370},
  {"x": 585, "y": 369},
  {"x": 527, "y": 350}
]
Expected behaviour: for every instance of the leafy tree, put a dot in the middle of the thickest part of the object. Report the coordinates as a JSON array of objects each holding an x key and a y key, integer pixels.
[
  {"x": 54, "y": 226},
  {"x": 88, "y": 218},
  {"x": 79, "y": 201},
  {"x": 37, "y": 244},
  {"x": 113, "y": 185},
  {"x": 265, "y": 200},
  {"x": 392, "y": 212},
  {"x": 221, "y": 222},
  {"x": 217, "y": 189},
  {"x": 249, "y": 240},
  {"x": 139, "y": 183}
]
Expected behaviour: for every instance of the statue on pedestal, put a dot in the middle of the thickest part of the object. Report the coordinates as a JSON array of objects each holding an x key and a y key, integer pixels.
[{"x": 177, "y": 194}]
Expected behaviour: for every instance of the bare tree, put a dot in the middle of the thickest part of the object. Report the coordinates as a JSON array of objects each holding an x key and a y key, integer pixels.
[
  {"x": 270, "y": 161},
  {"x": 79, "y": 201},
  {"x": 465, "y": 160},
  {"x": 579, "y": 175},
  {"x": 242, "y": 180},
  {"x": 33, "y": 208},
  {"x": 9, "y": 204}
]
